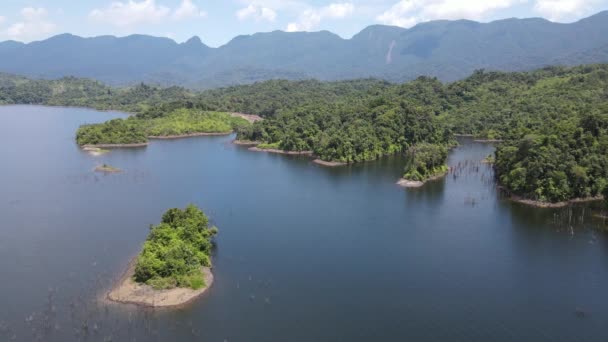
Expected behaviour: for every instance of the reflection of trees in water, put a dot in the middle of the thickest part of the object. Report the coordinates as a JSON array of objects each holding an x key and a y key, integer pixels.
[{"x": 569, "y": 219}]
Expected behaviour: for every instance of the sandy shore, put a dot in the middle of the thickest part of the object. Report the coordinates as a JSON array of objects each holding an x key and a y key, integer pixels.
[
  {"x": 407, "y": 183},
  {"x": 189, "y": 135},
  {"x": 127, "y": 291},
  {"x": 327, "y": 163},
  {"x": 541, "y": 204},
  {"x": 245, "y": 142},
  {"x": 99, "y": 146},
  {"x": 272, "y": 150}
]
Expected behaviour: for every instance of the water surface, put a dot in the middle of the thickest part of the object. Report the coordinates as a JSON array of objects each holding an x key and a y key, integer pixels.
[{"x": 304, "y": 253}]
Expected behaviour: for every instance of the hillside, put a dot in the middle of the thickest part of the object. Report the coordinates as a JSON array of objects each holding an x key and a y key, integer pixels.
[{"x": 448, "y": 50}]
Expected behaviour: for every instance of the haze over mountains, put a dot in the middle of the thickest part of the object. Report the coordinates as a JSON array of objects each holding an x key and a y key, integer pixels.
[{"x": 449, "y": 50}]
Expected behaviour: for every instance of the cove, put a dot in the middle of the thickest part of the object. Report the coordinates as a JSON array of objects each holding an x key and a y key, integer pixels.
[{"x": 305, "y": 253}]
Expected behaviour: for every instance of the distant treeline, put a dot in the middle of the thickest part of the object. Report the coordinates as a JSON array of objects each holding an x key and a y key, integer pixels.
[{"x": 553, "y": 121}]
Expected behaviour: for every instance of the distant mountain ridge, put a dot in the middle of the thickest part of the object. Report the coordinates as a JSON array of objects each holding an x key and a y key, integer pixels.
[{"x": 449, "y": 50}]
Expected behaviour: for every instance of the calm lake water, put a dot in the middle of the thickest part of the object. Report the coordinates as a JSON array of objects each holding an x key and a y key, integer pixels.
[{"x": 304, "y": 253}]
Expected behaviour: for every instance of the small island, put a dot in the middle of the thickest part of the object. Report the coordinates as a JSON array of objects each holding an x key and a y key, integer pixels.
[
  {"x": 174, "y": 266},
  {"x": 107, "y": 169},
  {"x": 425, "y": 162}
]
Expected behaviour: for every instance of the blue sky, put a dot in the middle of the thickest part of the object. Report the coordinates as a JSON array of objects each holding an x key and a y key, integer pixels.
[{"x": 216, "y": 22}]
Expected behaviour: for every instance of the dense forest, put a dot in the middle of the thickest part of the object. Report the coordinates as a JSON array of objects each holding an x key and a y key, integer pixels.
[
  {"x": 553, "y": 121},
  {"x": 78, "y": 92},
  {"x": 176, "y": 250}
]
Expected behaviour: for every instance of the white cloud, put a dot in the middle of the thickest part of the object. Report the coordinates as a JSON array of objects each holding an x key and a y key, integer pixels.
[
  {"x": 557, "y": 10},
  {"x": 34, "y": 24},
  {"x": 188, "y": 10},
  {"x": 338, "y": 10},
  {"x": 311, "y": 18},
  {"x": 407, "y": 13},
  {"x": 133, "y": 13},
  {"x": 2, "y": 19},
  {"x": 256, "y": 12},
  {"x": 125, "y": 14}
]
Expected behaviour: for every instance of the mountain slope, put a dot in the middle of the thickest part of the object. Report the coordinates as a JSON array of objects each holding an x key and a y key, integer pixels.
[{"x": 449, "y": 50}]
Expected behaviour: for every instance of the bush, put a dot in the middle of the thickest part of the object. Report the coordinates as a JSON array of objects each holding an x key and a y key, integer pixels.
[{"x": 176, "y": 250}]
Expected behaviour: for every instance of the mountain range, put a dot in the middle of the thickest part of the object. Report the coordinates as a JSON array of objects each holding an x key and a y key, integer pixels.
[{"x": 449, "y": 50}]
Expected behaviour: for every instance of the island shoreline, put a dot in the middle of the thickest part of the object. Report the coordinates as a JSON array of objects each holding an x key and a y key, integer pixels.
[
  {"x": 324, "y": 163},
  {"x": 188, "y": 135},
  {"x": 408, "y": 183},
  {"x": 277, "y": 151},
  {"x": 134, "y": 145},
  {"x": 127, "y": 291},
  {"x": 551, "y": 205}
]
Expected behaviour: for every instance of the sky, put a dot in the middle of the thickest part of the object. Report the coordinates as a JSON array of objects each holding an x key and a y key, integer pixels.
[{"x": 216, "y": 22}]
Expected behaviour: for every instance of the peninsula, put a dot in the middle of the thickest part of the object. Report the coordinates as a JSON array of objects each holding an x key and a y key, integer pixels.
[{"x": 425, "y": 162}]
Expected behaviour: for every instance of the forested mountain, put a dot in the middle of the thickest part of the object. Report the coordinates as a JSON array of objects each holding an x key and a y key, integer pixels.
[{"x": 449, "y": 50}]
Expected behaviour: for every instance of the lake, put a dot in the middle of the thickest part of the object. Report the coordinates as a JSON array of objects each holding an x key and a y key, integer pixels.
[{"x": 304, "y": 253}]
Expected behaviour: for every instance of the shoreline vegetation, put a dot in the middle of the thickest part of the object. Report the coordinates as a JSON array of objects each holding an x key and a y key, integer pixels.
[
  {"x": 174, "y": 265},
  {"x": 408, "y": 183},
  {"x": 255, "y": 147},
  {"x": 328, "y": 163},
  {"x": 550, "y": 124},
  {"x": 425, "y": 162},
  {"x": 277, "y": 151},
  {"x": 128, "y": 291},
  {"x": 90, "y": 147},
  {"x": 189, "y": 135},
  {"x": 179, "y": 123},
  {"x": 553, "y": 205}
]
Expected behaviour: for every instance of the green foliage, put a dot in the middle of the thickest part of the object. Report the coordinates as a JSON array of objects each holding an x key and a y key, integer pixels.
[
  {"x": 425, "y": 161},
  {"x": 187, "y": 121},
  {"x": 552, "y": 121},
  {"x": 176, "y": 249},
  {"x": 137, "y": 130},
  {"x": 117, "y": 131},
  {"x": 365, "y": 121},
  {"x": 269, "y": 146},
  {"x": 77, "y": 92}
]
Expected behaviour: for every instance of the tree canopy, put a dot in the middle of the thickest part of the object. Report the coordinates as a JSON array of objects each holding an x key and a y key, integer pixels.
[{"x": 176, "y": 250}]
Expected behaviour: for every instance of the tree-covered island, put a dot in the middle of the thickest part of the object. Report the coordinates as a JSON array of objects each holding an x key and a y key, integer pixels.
[{"x": 173, "y": 266}]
